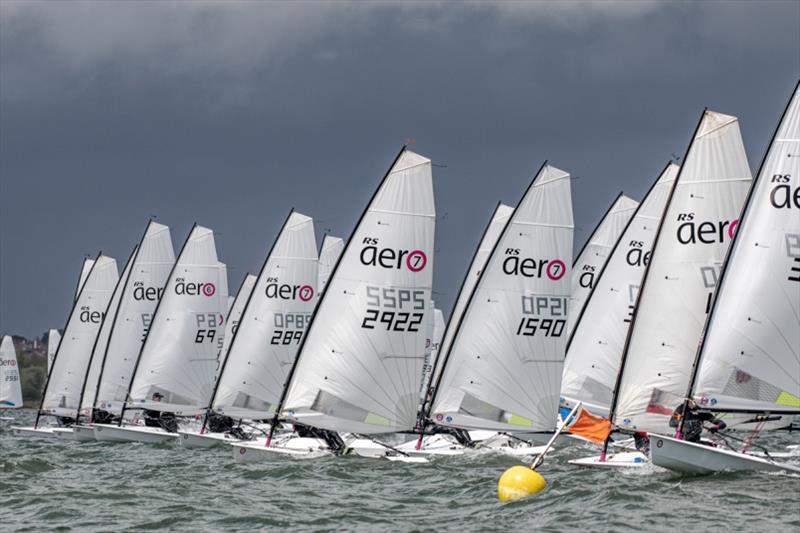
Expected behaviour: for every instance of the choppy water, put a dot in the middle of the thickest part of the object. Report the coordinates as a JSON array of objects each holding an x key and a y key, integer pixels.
[{"x": 49, "y": 484}]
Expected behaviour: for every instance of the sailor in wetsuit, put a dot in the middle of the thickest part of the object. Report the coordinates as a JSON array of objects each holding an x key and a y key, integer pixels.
[
  {"x": 693, "y": 421},
  {"x": 160, "y": 419}
]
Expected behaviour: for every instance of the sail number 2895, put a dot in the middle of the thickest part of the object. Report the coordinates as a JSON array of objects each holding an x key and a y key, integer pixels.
[{"x": 394, "y": 309}]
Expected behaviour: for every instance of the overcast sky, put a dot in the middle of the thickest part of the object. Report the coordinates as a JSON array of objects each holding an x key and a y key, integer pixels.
[{"x": 229, "y": 114}]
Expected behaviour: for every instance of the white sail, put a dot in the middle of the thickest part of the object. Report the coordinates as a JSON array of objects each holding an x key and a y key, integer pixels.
[
  {"x": 676, "y": 293},
  {"x": 595, "y": 352},
  {"x": 436, "y": 330},
  {"x": 65, "y": 382},
  {"x": 329, "y": 253},
  {"x": 131, "y": 321},
  {"x": 360, "y": 365},
  {"x": 85, "y": 269},
  {"x": 504, "y": 368},
  {"x": 593, "y": 257},
  {"x": 53, "y": 338},
  {"x": 751, "y": 355},
  {"x": 10, "y": 384},
  {"x": 179, "y": 355},
  {"x": 101, "y": 341},
  {"x": 272, "y": 325},
  {"x": 490, "y": 235},
  {"x": 236, "y": 308}
]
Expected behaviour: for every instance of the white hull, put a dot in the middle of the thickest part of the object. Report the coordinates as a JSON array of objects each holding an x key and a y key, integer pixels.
[
  {"x": 294, "y": 447},
  {"x": 195, "y": 440},
  {"x": 31, "y": 431},
  {"x": 614, "y": 460},
  {"x": 7, "y": 418},
  {"x": 433, "y": 445},
  {"x": 147, "y": 435},
  {"x": 446, "y": 446},
  {"x": 690, "y": 458},
  {"x": 75, "y": 433}
]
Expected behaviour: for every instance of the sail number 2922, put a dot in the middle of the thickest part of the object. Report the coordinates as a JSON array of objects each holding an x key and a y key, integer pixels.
[{"x": 394, "y": 309}]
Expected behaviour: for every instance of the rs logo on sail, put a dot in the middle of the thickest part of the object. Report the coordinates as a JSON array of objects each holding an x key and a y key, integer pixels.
[
  {"x": 285, "y": 291},
  {"x": 691, "y": 232},
  {"x": 514, "y": 265},
  {"x": 782, "y": 195},
  {"x": 188, "y": 288},
  {"x": 371, "y": 255},
  {"x": 88, "y": 316},
  {"x": 151, "y": 294}
]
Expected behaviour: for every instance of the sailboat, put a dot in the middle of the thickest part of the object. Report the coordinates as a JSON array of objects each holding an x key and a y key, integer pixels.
[
  {"x": 667, "y": 318},
  {"x": 78, "y": 431},
  {"x": 127, "y": 326},
  {"x": 443, "y": 444},
  {"x": 10, "y": 384},
  {"x": 595, "y": 253},
  {"x": 359, "y": 366},
  {"x": 502, "y": 370},
  {"x": 596, "y": 345},
  {"x": 273, "y": 323},
  {"x": 173, "y": 376},
  {"x": 64, "y": 383},
  {"x": 207, "y": 439},
  {"x": 749, "y": 361},
  {"x": 53, "y": 338}
]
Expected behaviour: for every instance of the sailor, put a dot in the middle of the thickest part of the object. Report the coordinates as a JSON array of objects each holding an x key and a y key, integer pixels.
[
  {"x": 693, "y": 421},
  {"x": 642, "y": 442},
  {"x": 160, "y": 419}
]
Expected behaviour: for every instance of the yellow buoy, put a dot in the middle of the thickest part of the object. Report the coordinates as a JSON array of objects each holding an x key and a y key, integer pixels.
[{"x": 519, "y": 482}]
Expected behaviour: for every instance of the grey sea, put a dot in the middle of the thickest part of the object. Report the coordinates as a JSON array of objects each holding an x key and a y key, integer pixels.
[{"x": 67, "y": 486}]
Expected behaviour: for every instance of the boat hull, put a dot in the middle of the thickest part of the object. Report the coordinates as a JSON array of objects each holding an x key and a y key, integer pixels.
[
  {"x": 75, "y": 433},
  {"x": 614, "y": 460},
  {"x": 195, "y": 440},
  {"x": 144, "y": 434},
  {"x": 295, "y": 447},
  {"x": 44, "y": 432},
  {"x": 690, "y": 458}
]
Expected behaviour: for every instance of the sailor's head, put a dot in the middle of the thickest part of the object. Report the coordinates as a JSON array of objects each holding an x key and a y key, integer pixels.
[
  {"x": 157, "y": 396},
  {"x": 691, "y": 404}
]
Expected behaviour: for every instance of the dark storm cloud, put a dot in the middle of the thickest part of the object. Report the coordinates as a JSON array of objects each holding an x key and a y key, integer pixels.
[{"x": 229, "y": 114}]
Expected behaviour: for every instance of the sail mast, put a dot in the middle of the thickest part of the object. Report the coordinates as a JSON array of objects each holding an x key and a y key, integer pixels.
[
  {"x": 155, "y": 314},
  {"x": 244, "y": 313},
  {"x": 120, "y": 283},
  {"x": 472, "y": 295},
  {"x": 435, "y": 364},
  {"x": 635, "y": 314},
  {"x": 116, "y": 314},
  {"x": 611, "y": 253},
  {"x": 730, "y": 252},
  {"x": 55, "y": 357}
]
